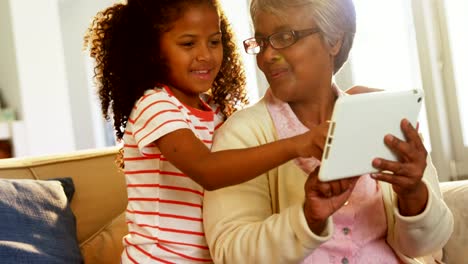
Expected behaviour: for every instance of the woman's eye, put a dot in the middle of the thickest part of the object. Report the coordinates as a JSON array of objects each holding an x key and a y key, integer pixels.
[{"x": 286, "y": 36}]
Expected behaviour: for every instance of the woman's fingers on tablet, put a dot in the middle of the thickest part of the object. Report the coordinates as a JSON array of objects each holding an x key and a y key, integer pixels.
[
  {"x": 404, "y": 176},
  {"x": 345, "y": 184},
  {"x": 398, "y": 146},
  {"x": 362, "y": 89},
  {"x": 398, "y": 168},
  {"x": 399, "y": 182},
  {"x": 329, "y": 189},
  {"x": 325, "y": 189},
  {"x": 320, "y": 202},
  {"x": 334, "y": 188},
  {"x": 407, "y": 172},
  {"x": 414, "y": 139},
  {"x": 411, "y": 148},
  {"x": 412, "y": 169}
]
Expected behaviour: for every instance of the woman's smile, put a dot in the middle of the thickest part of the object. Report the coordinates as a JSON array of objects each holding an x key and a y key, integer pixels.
[{"x": 277, "y": 73}]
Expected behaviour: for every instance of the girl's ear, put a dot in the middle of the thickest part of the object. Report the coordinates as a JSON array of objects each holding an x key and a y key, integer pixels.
[{"x": 335, "y": 48}]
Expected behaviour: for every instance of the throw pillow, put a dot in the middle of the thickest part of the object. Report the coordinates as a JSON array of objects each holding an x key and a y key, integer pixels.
[{"x": 36, "y": 222}]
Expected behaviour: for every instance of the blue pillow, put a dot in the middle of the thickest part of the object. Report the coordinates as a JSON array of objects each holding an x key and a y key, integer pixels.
[{"x": 36, "y": 222}]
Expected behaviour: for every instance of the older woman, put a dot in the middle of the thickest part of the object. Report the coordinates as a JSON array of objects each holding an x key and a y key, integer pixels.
[{"x": 287, "y": 215}]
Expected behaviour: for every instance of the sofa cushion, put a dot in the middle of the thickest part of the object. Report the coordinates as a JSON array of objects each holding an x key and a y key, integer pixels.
[
  {"x": 106, "y": 246},
  {"x": 37, "y": 224},
  {"x": 456, "y": 197}
]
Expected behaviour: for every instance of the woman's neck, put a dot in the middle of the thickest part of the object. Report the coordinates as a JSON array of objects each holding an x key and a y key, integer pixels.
[{"x": 316, "y": 109}]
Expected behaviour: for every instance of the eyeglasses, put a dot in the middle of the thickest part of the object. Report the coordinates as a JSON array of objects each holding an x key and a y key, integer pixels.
[{"x": 278, "y": 40}]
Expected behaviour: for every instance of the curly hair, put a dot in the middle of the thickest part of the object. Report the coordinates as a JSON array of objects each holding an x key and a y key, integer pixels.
[{"x": 124, "y": 41}]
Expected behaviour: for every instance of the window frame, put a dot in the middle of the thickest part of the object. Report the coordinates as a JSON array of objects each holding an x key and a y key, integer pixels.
[{"x": 438, "y": 77}]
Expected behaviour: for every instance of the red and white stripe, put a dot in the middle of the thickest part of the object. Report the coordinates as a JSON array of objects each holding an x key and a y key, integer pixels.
[{"x": 164, "y": 212}]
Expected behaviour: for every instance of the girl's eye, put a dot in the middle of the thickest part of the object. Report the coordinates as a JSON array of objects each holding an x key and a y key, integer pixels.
[
  {"x": 215, "y": 42},
  {"x": 187, "y": 44}
]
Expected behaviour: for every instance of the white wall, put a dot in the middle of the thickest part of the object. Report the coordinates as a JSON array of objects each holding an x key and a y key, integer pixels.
[
  {"x": 75, "y": 17},
  {"x": 8, "y": 66},
  {"x": 44, "y": 74},
  {"x": 41, "y": 74}
]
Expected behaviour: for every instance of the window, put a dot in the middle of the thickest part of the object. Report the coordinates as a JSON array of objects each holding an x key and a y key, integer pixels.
[
  {"x": 454, "y": 37},
  {"x": 384, "y": 54},
  {"x": 455, "y": 14},
  {"x": 403, "y": 44}
]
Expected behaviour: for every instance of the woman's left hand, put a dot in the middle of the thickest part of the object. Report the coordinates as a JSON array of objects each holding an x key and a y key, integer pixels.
[
  {"x": 362, "y": 89},
  {"x": 406, "y": 174}
]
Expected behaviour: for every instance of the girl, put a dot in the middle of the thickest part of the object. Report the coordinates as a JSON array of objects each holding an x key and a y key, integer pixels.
[{"x": 168, "y": 73}]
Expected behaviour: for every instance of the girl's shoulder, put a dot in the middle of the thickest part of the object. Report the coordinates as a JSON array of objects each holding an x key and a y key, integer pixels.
[
  {"x": 155, "y": 94},
  {"x": 208, "y": 99}
]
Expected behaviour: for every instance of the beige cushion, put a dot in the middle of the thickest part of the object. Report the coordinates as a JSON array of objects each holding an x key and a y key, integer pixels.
[
  {"x": 456, "y": 196},
  {"x": 106, "y": 246}
]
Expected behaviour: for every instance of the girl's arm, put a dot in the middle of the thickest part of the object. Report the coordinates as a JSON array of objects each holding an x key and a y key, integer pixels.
[{"x": 214, "y": 170}]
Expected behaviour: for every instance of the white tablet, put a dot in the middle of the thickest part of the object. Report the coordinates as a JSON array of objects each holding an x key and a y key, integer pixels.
[{"x": 357, "y": 129}]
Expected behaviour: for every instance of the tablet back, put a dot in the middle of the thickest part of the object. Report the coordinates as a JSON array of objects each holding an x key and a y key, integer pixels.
[{"x": 357, "y": 129}]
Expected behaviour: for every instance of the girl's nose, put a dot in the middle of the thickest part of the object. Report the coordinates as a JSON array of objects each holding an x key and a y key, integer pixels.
[{"x": 204, "y": 53}]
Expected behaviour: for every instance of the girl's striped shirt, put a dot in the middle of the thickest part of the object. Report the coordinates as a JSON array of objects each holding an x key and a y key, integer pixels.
[{"x": 164, "y": 211}]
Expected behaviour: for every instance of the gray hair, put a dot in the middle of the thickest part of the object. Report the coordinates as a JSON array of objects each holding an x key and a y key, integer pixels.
[{"x": 335, "y": 19}]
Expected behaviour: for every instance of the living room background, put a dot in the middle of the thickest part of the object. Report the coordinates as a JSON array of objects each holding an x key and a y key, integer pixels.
[{"x": 46, "y": 77}]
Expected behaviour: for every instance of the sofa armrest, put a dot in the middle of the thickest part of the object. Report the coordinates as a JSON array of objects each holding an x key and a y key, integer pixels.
[{"x": 456, "y": 196}]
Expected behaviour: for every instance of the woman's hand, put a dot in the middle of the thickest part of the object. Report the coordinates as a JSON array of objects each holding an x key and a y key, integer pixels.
[
  {"x": 406, "y": 173},
  {"x": 322, "y": 199},
  {"x": 362, "y": 89}
]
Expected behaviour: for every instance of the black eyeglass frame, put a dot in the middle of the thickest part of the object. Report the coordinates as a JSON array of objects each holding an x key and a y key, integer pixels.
[{"x": 263, "y": 42}]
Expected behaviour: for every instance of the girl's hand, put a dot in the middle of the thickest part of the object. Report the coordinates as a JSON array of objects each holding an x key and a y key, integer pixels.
[
  {"x": 322, "y": 199},
  {"x": 406, "y": 174},
  {"x": 312, "y": 142}
]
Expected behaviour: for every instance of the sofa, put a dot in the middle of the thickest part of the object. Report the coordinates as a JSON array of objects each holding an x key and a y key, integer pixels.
[{"x": 100, "y": 199}]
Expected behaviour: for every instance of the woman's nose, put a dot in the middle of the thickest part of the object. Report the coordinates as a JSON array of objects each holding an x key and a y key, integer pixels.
[{"x": 269, "y": 54}]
